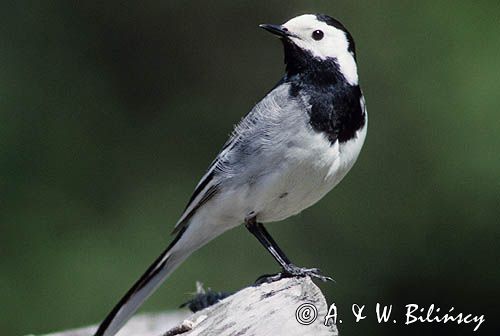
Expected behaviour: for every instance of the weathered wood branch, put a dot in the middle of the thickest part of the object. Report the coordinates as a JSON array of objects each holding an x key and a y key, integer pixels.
[{"x": 267, "y": 310}]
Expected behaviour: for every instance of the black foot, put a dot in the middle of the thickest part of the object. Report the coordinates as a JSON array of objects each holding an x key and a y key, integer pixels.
[{"x": 293, "y": 271}]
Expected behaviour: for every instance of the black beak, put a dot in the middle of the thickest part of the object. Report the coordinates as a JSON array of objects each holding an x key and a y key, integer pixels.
[{"x": 276, "y": 30}]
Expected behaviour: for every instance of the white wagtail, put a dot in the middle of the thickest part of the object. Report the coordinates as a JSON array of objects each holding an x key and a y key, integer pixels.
[{"x": 293, "y": 147}]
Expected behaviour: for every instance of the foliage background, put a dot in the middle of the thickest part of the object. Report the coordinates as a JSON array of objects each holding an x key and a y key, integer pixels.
[{"x": 110, "y": 112}]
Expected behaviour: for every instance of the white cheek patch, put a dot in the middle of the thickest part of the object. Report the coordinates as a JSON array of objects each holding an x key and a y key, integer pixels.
[
  {"x": 349, "y": 69},
  {"x": 333, "y": 45}
]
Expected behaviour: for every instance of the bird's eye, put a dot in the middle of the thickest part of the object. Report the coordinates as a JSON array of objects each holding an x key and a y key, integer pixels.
[{"x": 317, "y": 35}]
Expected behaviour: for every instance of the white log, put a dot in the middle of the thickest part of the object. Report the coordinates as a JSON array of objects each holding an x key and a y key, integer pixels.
[{"x": 265, "y": 310}]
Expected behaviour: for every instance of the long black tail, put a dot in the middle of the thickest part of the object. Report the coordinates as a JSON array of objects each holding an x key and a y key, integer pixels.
[{"x": 161, "y": 268}]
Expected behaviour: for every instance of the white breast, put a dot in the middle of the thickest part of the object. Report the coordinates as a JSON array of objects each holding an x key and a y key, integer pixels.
[{"x": 310, "y": 172}]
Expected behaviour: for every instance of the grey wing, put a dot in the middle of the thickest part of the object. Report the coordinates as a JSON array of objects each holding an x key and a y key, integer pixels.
[{"x": 257, "y": 134}]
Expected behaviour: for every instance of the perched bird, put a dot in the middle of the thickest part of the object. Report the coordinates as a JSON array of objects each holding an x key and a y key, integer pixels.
[{"x": 293, "y": 147}]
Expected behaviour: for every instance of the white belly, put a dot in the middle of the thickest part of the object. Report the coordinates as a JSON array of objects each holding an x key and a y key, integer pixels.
[{"x": 307, "y": 173}]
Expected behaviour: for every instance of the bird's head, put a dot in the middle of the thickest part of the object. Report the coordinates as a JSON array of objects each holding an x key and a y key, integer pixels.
[{"x": 316, "y": 41}]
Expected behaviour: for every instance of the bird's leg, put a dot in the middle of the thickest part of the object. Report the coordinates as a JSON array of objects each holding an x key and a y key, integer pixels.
[{"x": 289, "y": 269}]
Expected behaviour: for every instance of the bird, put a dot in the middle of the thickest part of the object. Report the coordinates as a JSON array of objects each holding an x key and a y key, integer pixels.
[{"x": 289, "y": 151}]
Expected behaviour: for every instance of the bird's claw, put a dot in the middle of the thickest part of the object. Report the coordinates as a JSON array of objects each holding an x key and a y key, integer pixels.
[{"x": 293, "y": 271}]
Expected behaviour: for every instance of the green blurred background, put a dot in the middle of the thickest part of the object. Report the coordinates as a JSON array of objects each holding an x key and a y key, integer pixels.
[{"x": 111, "y": 111}]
